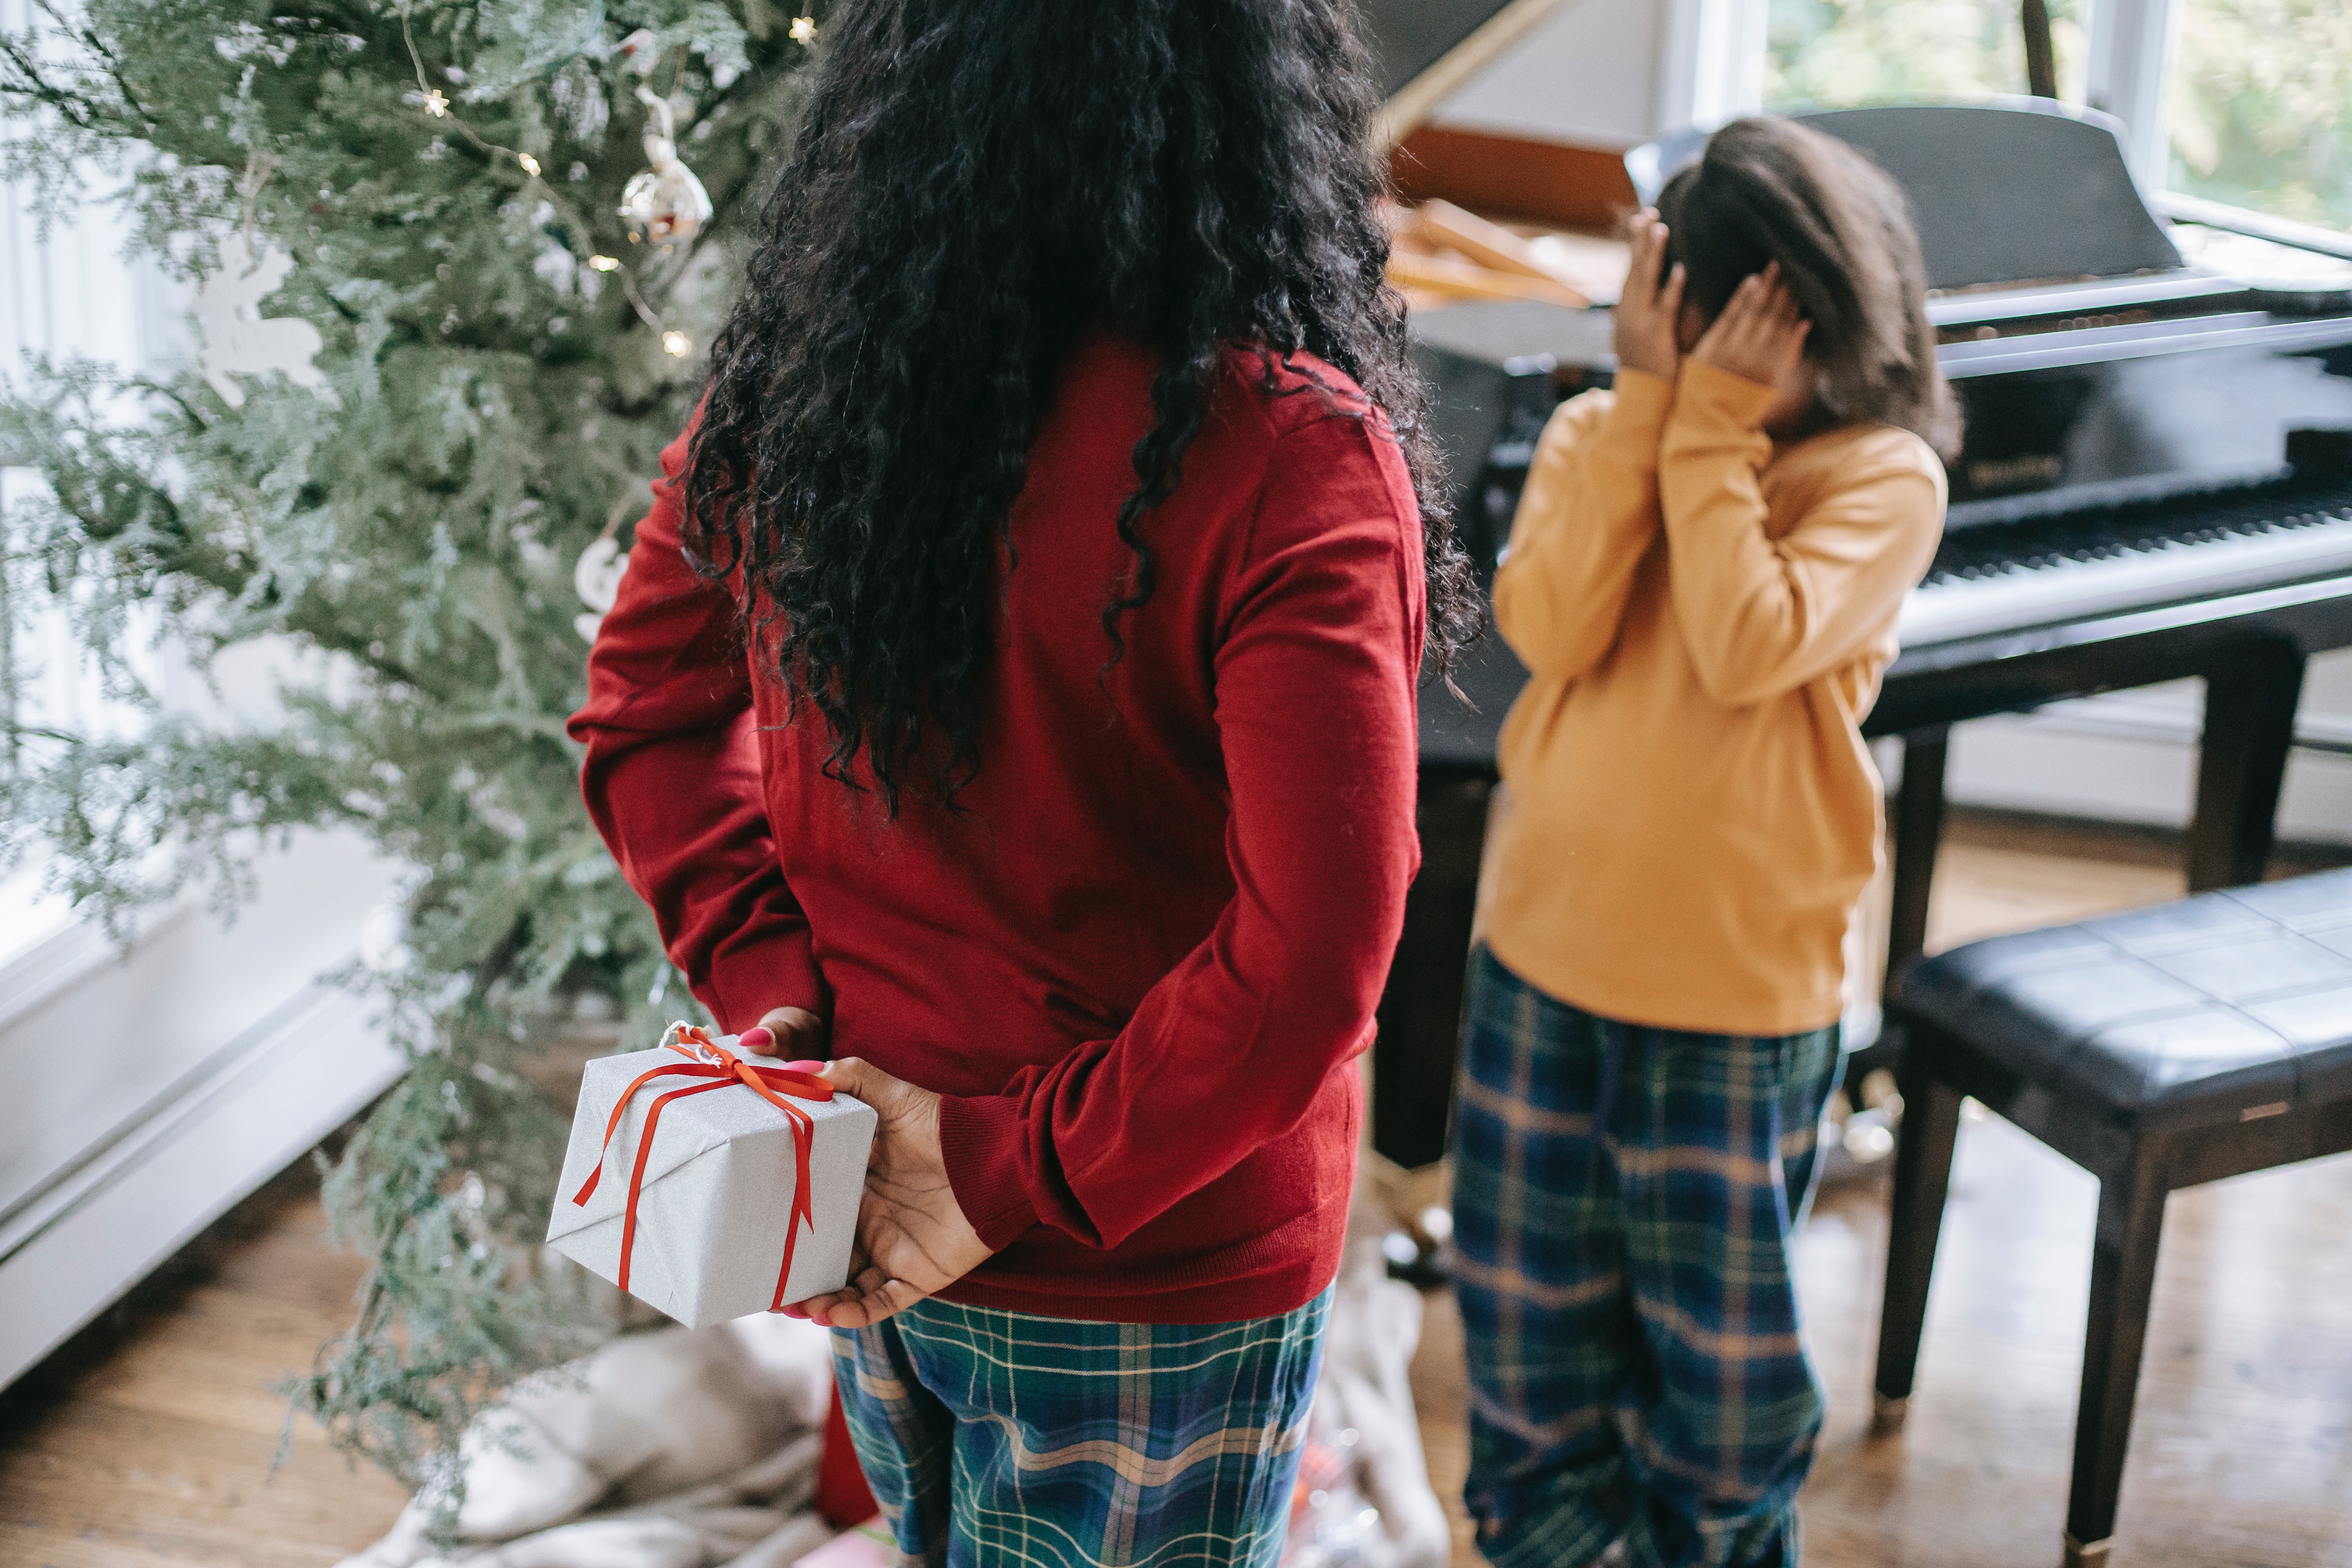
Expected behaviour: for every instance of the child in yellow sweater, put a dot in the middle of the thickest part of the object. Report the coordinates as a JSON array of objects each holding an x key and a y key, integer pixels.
[{"x": 1703, "y": 582}]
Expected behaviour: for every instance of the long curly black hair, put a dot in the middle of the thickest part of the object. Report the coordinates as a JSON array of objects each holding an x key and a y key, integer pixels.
[{"x": 974, "y": 184}]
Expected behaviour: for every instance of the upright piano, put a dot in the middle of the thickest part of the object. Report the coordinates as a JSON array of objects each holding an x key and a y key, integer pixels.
[{"x": 2156, "y": 483}]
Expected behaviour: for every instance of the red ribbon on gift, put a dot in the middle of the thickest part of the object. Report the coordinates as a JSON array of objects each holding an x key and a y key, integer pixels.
[{"x": 706, "y": 1059}]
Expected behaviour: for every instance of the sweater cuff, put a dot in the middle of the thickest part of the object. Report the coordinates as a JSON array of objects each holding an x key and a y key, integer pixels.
[
  {"x": 746, "y": 981},
  {"x": 1711, "y": 395},
  {"x": 979, "y": 1143},
  {"x": 1640, "y": 411}
]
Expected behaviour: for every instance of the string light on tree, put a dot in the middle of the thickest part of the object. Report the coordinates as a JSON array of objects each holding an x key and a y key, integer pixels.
[
  {"x": 805, "y": 31},
  {"x": 671, "y": 199}
]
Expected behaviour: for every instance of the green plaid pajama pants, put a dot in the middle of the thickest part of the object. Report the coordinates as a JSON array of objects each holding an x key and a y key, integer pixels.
[
  {"x": 1623, "y": 1202},
  {"x": 994, "y": 1437}
]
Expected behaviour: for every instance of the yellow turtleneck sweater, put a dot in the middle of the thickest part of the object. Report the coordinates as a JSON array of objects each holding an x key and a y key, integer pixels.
[{"x": 1690, "y": 814}]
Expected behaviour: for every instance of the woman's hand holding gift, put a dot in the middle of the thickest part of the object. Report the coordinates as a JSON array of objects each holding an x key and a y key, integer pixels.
[
  {"x": 912, "y": 1237},
  {"x": 793, "y": 1033}
]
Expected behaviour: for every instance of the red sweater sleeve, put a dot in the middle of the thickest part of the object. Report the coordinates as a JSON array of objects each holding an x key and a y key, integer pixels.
[
  {"x": 1315, "y": 702},
  {"x": 672, "y": 777}
]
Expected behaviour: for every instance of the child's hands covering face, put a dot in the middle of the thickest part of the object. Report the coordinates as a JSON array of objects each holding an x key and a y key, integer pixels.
[
  {"x": 1761, "y": 335},
  {"x": 1649, "y": 312}
]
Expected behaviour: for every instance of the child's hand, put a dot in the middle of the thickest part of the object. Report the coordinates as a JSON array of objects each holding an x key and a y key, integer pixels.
[
  {"x": 1760, "y": 336},
  {"x": 1648, "y": 313}
]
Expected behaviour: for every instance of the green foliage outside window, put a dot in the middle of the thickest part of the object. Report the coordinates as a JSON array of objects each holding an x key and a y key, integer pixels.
[
  {"x": 1845, "y": 52},
  {"x": 2259, "y": 107}
]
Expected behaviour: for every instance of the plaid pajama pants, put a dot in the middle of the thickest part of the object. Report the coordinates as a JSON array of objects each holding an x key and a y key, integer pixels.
[
  {"x": 1623, "y": 1201},
  {"x": 995, "y": 1437}
]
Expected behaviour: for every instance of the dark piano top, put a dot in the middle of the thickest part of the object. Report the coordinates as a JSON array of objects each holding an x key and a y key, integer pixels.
[{"x": 1408, "y": 37}]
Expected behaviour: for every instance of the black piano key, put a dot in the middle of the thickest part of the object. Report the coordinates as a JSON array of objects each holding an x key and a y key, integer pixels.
[{"x": 2107, "y": 532}]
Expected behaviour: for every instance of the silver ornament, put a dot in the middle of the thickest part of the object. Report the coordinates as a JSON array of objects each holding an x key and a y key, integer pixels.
[{"x": 666, "y": 202}]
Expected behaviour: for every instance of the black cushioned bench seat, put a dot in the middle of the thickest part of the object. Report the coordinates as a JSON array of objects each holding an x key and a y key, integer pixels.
[{"x": 2158, "y": 1050}]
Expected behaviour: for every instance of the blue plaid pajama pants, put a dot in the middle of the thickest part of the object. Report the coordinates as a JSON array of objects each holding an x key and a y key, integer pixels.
[
  {"x": 1623, "y": 1202},
  {"x": 994, "y": 1437}
]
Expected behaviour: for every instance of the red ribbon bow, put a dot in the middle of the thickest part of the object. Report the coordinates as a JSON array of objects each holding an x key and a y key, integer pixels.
[{"x": 704, "y": 1059}]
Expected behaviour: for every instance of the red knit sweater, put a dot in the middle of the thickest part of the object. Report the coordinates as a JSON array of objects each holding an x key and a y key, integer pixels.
[{"x": 1141, "y": 962}]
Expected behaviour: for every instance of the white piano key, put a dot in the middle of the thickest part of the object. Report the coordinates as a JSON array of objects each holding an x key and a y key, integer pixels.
[{"x": 2067, "y": 590}]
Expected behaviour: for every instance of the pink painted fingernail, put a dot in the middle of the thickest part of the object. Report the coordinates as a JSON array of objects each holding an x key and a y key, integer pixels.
[
  {"x": 757, "y": 1038},
  {"x": 805, "y": 1065}
]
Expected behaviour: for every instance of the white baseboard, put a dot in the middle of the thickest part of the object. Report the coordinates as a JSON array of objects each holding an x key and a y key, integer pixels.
[
  {"x": 156, "y": 1086},
  {"x": 2132, "y": 757}
]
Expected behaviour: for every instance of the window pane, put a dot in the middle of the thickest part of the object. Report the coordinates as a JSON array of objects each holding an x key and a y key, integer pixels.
[
  {"x": 2260, "y": 106},
  {"x": 1860, "y": 51}
]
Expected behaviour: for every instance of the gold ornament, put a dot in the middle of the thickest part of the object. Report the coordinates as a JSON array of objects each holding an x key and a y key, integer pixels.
[{"x": 664, "y": 201}]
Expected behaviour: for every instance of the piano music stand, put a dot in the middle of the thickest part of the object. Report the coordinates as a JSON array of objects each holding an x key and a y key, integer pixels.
[{"x": 2081, "y": 215}]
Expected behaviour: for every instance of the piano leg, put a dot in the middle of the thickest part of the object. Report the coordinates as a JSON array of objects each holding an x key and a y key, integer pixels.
[
  {"x": 1918, "y": 832},
  {"x": 2249, "y": 725},
  {"x": 1917, "y": 819},
  {"x": 1420, "y": 1014}
]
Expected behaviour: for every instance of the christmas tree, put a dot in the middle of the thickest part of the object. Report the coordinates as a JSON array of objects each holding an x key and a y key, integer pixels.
[{"x": 485, "y": 237}]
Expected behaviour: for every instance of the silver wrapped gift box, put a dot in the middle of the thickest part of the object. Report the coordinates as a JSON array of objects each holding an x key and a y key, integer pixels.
[{"x": 715, "y": 1199}]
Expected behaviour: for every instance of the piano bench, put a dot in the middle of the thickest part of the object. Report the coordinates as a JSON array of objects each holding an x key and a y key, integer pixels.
[{"x": 2156, "y": 1050}]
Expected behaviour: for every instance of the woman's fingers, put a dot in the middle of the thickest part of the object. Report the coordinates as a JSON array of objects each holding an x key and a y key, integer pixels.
[
  {"x": 870, "y": 1299},
  {"x": 785, "y": 1032}
]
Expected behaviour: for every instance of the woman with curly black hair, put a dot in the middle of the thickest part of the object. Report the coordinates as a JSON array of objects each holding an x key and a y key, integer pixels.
[{"x": 1012, "y": 692}]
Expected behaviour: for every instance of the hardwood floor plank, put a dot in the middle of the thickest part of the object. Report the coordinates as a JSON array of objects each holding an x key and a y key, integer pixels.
[{"x": 148, "y": 1442}]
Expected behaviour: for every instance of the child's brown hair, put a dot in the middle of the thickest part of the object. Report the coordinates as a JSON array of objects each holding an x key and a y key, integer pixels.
[{"x": 1769, "y": 189}]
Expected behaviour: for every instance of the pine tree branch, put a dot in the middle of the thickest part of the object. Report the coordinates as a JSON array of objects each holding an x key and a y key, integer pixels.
[
  {"x": 24, "y": 81},
  {"x": 81, "y": 33},
  {"x": 196, "y": 420}
]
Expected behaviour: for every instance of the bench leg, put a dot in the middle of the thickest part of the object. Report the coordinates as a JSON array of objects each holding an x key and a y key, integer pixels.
[
  {"x": 2123, "y": 1279},
  {"x": 2241, "y": 761},
  {"x": 1923, "y": 1175}
]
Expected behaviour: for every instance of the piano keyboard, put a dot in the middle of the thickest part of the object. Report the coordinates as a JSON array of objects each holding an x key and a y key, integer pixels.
[{"x": 2017, "y": 576}]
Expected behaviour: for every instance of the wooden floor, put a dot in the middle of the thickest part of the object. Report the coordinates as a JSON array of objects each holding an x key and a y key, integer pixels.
[{"x": 148, "y": 1440}]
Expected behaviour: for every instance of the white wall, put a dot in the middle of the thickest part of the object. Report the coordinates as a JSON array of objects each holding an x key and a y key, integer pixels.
[{"x": 2130, "y": 757}]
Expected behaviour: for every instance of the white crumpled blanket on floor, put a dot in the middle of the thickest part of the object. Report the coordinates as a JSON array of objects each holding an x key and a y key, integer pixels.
[{"x": 698, "y": 1448}]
